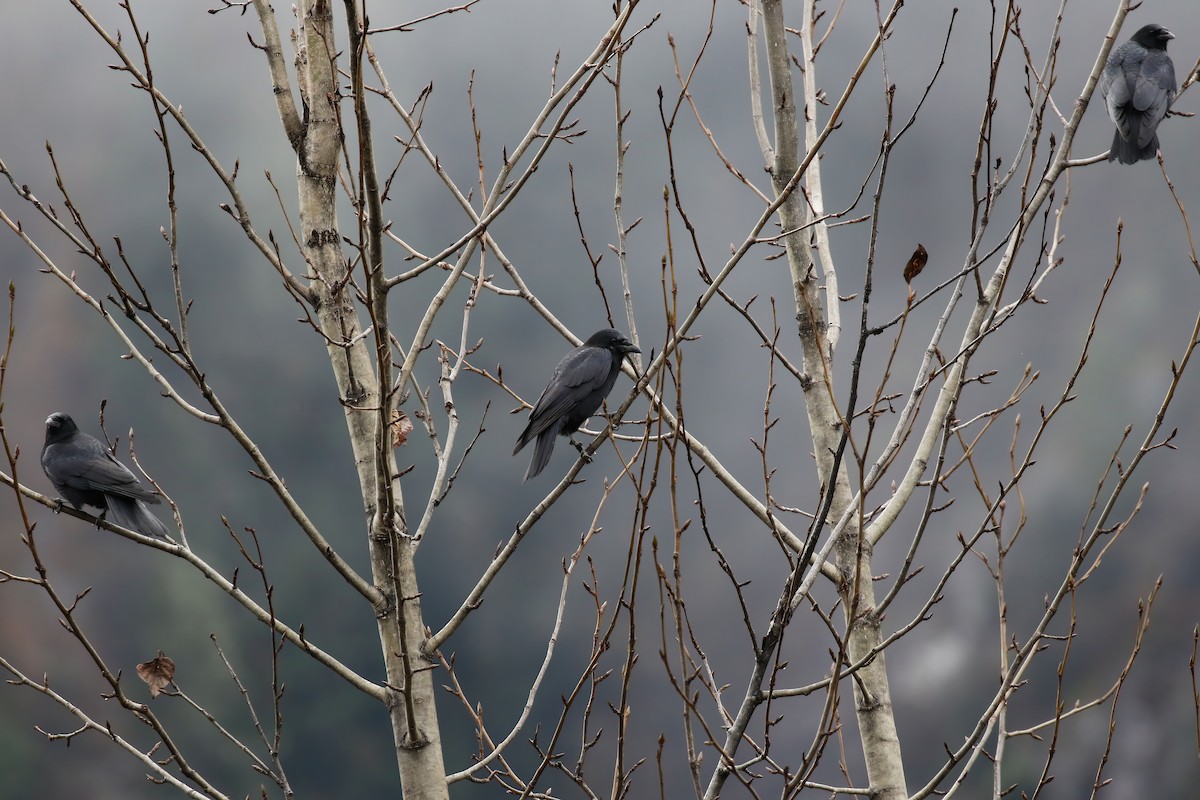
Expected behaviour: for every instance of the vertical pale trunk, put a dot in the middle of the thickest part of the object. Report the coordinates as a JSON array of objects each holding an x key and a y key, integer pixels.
[
  {"x": 872, "y": 697},
  {"x": 401, "y": 627}
]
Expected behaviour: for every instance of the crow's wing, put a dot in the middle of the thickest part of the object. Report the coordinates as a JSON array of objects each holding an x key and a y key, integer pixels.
[
  {"x": 1114, "y": 85},
  {"x": 1153, "y": 91},
  {"x": 1117, "y": 82},
  {"x": 577, "y": 376},
  {"x": 82, "y": 463}
]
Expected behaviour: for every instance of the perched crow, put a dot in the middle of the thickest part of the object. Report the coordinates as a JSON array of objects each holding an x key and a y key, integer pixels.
[
  {"x": 1138, "y": 85},
  {"x": 85, "y": 473},
  {"x": 578, "y": 386}
]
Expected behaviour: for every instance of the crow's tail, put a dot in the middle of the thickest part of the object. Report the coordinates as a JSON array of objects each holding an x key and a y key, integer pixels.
[
  {"x": 541, "y": 453},
  {"x": 1128, "y": 152},
  {"x": 132, "y": 514}
]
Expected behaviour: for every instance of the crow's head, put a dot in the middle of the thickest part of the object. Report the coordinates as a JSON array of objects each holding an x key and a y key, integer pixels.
[
  {"x": 1153, "y": 37},
  {"x": 613, "y": 340},
  {"x": 58, "y": 427}
]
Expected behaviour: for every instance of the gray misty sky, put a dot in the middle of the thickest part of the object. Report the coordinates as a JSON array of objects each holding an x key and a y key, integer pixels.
[{"x": 499, "y": 59}]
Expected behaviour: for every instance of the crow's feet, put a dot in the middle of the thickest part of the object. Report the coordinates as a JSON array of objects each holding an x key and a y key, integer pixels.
[{"x": 587, "y": 459}]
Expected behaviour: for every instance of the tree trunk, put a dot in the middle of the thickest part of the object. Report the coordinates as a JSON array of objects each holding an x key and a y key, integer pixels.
[
  {"x": 872, "y": 696},
  {"x": 410, "y": 691}
]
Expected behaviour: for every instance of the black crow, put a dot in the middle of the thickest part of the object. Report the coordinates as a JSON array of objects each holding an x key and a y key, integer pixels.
[
  {"x": 1138, "y": 85},
  {"x": 85, "y": 473},
  {"x": 578, "y": 386}
]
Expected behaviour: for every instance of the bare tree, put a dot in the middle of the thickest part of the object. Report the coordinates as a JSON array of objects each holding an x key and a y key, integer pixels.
[{"x": 856, "y": 538}]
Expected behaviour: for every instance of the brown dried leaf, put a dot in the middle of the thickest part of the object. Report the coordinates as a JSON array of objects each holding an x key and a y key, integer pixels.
[
  {"x": 915, "y": 264},
  {"x": 401, "y": 426},
  {"x": 157, "y": 673}
]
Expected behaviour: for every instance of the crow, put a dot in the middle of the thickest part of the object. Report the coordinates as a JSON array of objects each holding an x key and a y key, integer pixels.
[
  {"x": 85, "y": 473},
  {"x": 578, "y": 386},
  {"x": 1138, "y": 85}
]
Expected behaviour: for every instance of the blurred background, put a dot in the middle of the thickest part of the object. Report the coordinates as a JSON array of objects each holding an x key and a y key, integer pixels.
[{"x": 272, "y": 371}]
